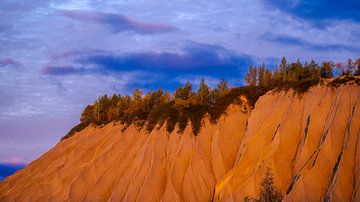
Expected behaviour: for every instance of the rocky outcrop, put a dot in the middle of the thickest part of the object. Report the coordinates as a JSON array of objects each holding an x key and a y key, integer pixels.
[{"x": 309, "y": 141}]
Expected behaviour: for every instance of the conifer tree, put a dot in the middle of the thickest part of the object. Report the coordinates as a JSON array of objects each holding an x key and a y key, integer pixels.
[
  {"x": 283, "y": 68},
  {"x": 88, "y": 114},
  {"x": 269, "y": 193},
  {"x": 326, "y": 69},
  {"x": 314, "y": 69},
  {"x": 261, "y": 75},
  {"x": 350, "y": 67},
  {"x": 357, "y": 67},
  {"x": 203, "y": 93},
  {"x": 223, "y": 87},
  {"x": 276, "y": 78},
  {"x": 251, "y": 76}
]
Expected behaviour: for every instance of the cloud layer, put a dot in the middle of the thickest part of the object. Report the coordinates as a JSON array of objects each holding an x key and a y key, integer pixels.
[
  {"x": 119, "y": 23},
  {"x": 320, "y": 9},
  {"x": 194, "y": 58},
  {"x": 301, "y": 43}
]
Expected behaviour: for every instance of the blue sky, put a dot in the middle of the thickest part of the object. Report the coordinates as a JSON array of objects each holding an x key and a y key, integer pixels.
[{"x": 58, "y": 56}]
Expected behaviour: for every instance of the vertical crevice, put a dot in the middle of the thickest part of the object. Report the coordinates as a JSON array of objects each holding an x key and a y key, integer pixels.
[
  {"x": 294, "y": 180},
  {"x": 276, "y": 131},
  {"x": 355, "y": 170},
  {"x": 307, "y": 128},
  {"x": 334, "y": 175},
  {"x": 328, "y": 124}
]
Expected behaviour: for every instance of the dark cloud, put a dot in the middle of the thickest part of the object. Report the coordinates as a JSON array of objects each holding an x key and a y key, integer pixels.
[
  {"x": 194, "y": 59},
  {"x": 120, "y": 23},
  {"x": 320, "y": 9},
  {"x": 295, "y": 41},
  {"x": 7, "y": 169}
]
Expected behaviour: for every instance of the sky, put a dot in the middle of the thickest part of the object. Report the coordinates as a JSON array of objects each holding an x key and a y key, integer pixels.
[{"x": 56, "y": 57}]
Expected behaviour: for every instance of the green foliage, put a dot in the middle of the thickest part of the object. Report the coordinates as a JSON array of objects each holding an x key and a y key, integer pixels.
[
  {"x": 81, "y": 126},
  {"x": 203, "y": 94},
  {"x": 326, "y": 70},
  {"x": 252, "y": 76},
  {"x": 298, "y": 76},
  {"x": 343, "y": 80},
  {"x": 252, "y": 93},
  {"x": 300, "y": 86},
  {"x": 157, "y": 108}
]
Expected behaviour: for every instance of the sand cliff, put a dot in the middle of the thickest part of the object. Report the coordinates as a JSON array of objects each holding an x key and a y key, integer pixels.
[{"x": 310, "y": 142}]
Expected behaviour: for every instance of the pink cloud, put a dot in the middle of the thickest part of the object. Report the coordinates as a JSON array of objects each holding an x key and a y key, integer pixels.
[
  {"x": 120, "y": 23},
  {"x": 15, "y": 161},
  {"x": 9, "y": 62}
]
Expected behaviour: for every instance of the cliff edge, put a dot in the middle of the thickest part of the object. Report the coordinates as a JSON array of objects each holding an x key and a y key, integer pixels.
[{"x": 309, "y": 141}]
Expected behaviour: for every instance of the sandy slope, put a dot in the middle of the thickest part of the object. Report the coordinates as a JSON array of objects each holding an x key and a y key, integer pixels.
[
  {"x": 106, "y": 164},
  {"x": 310, "y": 143}
]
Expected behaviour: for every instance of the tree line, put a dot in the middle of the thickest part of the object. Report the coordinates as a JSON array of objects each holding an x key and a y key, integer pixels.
[
  {"x": 156, "y": 108},
  {"x": 290, "y": 73}
]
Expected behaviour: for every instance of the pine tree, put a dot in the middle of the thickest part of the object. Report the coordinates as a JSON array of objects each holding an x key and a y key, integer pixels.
[
  {"x": 184, "y": 97},
  {"x": 296, "y": 71},
  {"x": 136, "y": 101},
  {"x": 314, "y": 69},
  {"x": 357, "y": 70},
  {"x": 276, "y": 78},
  {"x": 350, "y": 67},
  {"x": 326, "y": 69},
  {"x": 223, "y": 87},
  {"x": 251, "y": 76},
  {"x": 283, "y": 69},
  {"x": 203, "y": 93},
  {"x": 261, "y": 76},
  {"x": 269, "y": 193},
  {"x": 88, "y": 114}
]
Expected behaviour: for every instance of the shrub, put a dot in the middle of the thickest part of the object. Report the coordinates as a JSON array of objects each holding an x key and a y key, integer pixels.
[
  {"x": 81, "y": 126},
  {"x": 343, "y": 80}
]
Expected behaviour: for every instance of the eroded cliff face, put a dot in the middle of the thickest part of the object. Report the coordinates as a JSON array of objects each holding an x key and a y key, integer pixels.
[
  {"x": 309, "y": 142},
  {"x": 100, "y": 164}
]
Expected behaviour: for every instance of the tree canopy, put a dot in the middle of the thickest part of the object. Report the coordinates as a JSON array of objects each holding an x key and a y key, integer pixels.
[{"x": 156, "y": 108}]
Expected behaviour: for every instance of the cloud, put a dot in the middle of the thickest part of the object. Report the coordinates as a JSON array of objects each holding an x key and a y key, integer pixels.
[
  {"x": 9, "y": 169},
  {"x": 120, "y": 23},
  {"x": 60, "y": 70},
  {"x": 14, "y": 161},
  {"x": 9, "y": 62},
  {"x": 299, "y": 42},
  {"x": 10, "y": 166},
  {"x": 194, "y": 59},
  {"x": 320, "y": 9}
]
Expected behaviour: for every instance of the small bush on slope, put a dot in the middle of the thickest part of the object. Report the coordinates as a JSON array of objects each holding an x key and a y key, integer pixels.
[{"x": 268, "y": 192}]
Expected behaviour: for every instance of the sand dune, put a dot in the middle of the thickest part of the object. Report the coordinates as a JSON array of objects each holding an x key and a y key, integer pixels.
[{"x": 310, "y": 143}]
